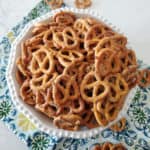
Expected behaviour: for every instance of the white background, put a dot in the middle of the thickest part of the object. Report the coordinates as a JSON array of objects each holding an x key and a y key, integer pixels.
[{"x": 131, "y": 16}]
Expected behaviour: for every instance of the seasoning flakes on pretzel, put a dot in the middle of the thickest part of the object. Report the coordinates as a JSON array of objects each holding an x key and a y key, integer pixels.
[{"x": 78, "y": 71}]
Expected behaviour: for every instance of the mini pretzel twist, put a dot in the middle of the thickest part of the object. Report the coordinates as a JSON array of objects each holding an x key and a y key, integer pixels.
[
  {"x": 27, "y": 93},
  {"x": 83, "y": 3},
  {"x": 44, "y": 103},
  {"x": 105, "y": 66},
  {"x": 42, "y": 81},
  {"x": 64, "y": 18},
  {"x": 42, "y": 62},
  {"x": 66, "y": 57},
  {"x": 107, "y": 146},
  {"x": 69, "y": 122},
  {"x": 116, "y": 42},
  {"x": 130, "y": 75},
  {"x": 64, "y": 89},
  {"x": 66, "y": 39},
  {"x": 119, "y": 126},
  {"x": 95, "y": 34},
  {"x": 54, "y": 3},
  {"x": 93, "y": 89},
  {"x": 144, "y": 78},
  {"x": 118, "y": 147},
  {"x": 118, "y": 87}
]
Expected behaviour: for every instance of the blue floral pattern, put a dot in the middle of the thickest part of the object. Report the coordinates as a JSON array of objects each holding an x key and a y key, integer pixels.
[{"x": 135, "y": 136}]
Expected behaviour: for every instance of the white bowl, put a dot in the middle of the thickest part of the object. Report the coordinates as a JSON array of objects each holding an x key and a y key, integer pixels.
[{"x": 42, "y": 122}]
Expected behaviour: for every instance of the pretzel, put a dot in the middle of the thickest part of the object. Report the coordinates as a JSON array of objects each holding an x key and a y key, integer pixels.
[
  {"x": 96, "y": 147},
  {"x": 111, "y": 111},
  {"x": 95, "y": 33},
  {"x": 42, "y": 26},
  {"x": 105, "y": 66},
  {"x": 100, "y": 116},
  {"x": 130, "y": 75},
  {"x": 69, "y": 122},
  {"x": 91, "y": 123},
  {"x": 119, "y": 126},
  {"x": 26, "y": 93},
  {"x": 77, "y": 68},
  {"x": 65, "y": 89},
  {"x": 118, "y": 87},
  {"x": 131, "y": 58},
  {"x": 93, "y": 89},
  {"x": 83, "y": 3},
  {"x": 64, "y": 18},
  {"x": 42, "y": 62},
  {"x": 116, "y": 42},
  {"x": 58, "y": 67},
  {"x": 65, "y": 109},
  {"x": 118, "y": 147},
  {"x": 42, "y": 81},
  {"x": 27, "y": 51},
  {"x": 66, "y": 39},
  {"x": 107, "y": 146},
  {"x": 36, "y": 40},
  {"x": 77, "y": 105},
  {"x": 44, "y": 103},
  {"x": 66, "y": 57},
  {"x": 22, "y": 67},
  {"x": 20, "y": 77},
  {"x": 54, "y": 3},
  {"x": 144, "y": 78}
]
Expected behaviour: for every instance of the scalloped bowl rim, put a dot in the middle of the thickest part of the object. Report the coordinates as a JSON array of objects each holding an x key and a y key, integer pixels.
[{"x": 27, "y": 111}]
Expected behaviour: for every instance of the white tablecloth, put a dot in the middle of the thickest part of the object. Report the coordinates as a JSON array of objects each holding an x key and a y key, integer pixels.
[{"x": 131, "y": 16}]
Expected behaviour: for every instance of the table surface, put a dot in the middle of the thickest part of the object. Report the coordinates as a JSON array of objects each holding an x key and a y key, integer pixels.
[{"x": 132, "y": 17}]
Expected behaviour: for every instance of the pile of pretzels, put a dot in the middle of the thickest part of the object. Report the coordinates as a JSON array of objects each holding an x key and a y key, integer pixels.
[{"x": 77, "y": 71}]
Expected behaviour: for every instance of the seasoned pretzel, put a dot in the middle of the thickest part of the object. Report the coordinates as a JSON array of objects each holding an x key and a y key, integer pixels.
[
  {"x": 22, "y": 67},
  {"x": 42, "y": 26},
  {"x": 83, "y": 3},
  {"x": 118, "y": 147},
  {"x": 77, "y": 105},
  {"x": 66, "y": 57},
  {"x": 54, "y": 3},
  {"x": 27, "y": 93},
  {"x": 111, "y": 111},
  {"x": 20, "y": 77},
  {"x": 44, "y": 103},
  {"x": 65, "y": 109},
  {"x": 96, "y": 147},
  {"x": 116, "y": 42},
  {"x": 100, "y": 116},
  {"x": 131, "y": 58},
  {"x": 77, "y": 68},
  {"x": 105, "y": 66},
  {"x": 42, "y": 81},
  {"x": 95, "y": 34},
  {"x": 130, "y": 75},
  {"x": 119, "y": 126},
  {"x": 144, "y": 78},
  {"x": 107, "y": 146},
  {"x": 118, "y": 86},
  {"x": 66, "y": 39},
  {"x": 65, "y": 89},
  {"x": 64, "y": 18},
  {"x": 93, "y": 89},
  {"x": 36, "y": 40},
  {"x": 69, "y": 122},
  {"x": 42, "y": 62}
]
